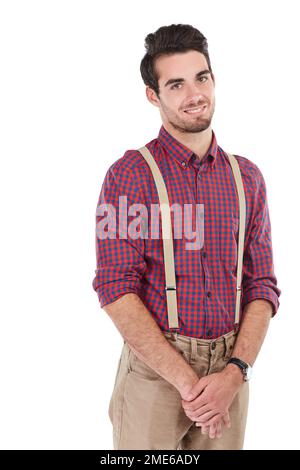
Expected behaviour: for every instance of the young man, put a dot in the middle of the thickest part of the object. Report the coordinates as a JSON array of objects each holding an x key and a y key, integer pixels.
[{"x": 174, "y": 388}]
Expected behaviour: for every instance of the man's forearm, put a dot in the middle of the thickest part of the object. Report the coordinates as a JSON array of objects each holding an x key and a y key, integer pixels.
[
  {"x": 145, "y": 338},
  {"x": 253, "y": 329}
]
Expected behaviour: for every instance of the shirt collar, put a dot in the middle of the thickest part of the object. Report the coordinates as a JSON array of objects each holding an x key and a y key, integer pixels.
[{"x": 182, "y": 153}]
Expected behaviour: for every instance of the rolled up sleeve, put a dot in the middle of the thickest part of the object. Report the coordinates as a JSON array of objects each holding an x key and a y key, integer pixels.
[
  {"x": 259, "y": 280},
  {"x": 119, "y": 256}
]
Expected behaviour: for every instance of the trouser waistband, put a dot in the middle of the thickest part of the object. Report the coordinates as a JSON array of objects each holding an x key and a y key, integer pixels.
[
  {"x": 187, "y": 339},
  {"x": 223, "y": 343}
]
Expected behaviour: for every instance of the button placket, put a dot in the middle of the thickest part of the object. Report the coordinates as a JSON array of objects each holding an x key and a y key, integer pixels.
[{"x": 203, "y": 259}]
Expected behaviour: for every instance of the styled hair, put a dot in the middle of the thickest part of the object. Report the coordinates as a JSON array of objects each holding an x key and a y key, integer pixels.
[{"x": 168, "y": 40}]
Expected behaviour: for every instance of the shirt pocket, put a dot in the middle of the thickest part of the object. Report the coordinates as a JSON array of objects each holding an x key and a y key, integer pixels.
[{"x": 228, "y": 241}]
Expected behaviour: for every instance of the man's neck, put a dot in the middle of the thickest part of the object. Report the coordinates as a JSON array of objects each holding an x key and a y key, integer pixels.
[{"x": 198, "y": 142}]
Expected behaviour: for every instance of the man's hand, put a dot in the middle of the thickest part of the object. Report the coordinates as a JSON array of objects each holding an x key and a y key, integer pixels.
[
  {"x": 215, "y": 429},
  {"x": 208, "y": 401}
]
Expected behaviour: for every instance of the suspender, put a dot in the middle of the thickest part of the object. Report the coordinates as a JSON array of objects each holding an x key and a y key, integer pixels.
[
  {"x": 167, "y": 239},
  {"x": 168, "y": 236},
  {"x": 242, "y": 223}
]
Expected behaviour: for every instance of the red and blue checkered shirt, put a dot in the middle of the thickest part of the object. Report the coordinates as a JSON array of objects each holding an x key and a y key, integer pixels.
[{"x": 205, "y": 277}]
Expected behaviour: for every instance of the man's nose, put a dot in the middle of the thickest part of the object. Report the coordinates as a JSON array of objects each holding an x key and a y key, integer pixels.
[{"x": 193, "y": 95}]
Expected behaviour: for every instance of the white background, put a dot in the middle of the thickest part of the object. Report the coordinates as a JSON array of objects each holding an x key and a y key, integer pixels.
[{"x": 72, "y": 102}]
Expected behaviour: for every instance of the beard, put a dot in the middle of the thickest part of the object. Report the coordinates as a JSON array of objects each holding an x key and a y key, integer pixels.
[{"x": 189, "y": 124}]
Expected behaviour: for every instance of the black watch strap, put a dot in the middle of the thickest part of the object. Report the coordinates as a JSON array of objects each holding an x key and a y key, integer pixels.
[
  {"x": 245, "y": 368},
  {"x": 242, "y": 365}
]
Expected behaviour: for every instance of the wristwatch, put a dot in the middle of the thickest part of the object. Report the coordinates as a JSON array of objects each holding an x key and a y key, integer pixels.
[{"x": 244, "y": 366}]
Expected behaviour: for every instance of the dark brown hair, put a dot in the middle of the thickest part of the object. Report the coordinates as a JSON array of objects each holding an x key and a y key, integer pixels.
[{"x": 170, "y": 40}]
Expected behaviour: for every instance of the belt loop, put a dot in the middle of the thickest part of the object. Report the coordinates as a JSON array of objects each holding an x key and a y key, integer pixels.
[
  {"x": 174, "y": 335},
  {"x": 193, "y": 350},
  {"x": 230, "y": 340}
]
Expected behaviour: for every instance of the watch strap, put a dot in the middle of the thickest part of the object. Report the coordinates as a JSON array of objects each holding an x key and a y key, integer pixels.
[{"x": 241, "y": 364}]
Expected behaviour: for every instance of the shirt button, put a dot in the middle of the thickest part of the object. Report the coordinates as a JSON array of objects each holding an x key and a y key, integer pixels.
[
  {"x": 183, "y": 163},
  {"x": 208, "y": 294}
]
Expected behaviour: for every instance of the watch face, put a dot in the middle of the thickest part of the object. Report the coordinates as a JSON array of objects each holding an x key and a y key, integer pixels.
[{"x": 249, "y": 373}]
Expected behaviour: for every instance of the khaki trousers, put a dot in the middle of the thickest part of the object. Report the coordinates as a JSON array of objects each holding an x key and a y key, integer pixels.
[{"x": 146, "y": 411}]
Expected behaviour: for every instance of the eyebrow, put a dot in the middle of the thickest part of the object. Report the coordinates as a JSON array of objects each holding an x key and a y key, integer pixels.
[{"x": 179, "y": 80}]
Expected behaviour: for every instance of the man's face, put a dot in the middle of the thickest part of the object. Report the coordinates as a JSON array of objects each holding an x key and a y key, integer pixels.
[{"x": 183, "y": 89}]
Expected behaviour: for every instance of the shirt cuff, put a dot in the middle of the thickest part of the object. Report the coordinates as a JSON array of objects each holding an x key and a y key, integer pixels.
[
  {"x": 110, "y": 295},
  {"x": 265, "y": 293}
]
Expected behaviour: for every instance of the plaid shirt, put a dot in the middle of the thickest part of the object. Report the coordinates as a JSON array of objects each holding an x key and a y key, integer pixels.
[{"x": 205, "y": 277}]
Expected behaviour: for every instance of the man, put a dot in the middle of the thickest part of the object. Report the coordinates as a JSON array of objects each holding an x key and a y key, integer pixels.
[{"x": 176, "y": 389}]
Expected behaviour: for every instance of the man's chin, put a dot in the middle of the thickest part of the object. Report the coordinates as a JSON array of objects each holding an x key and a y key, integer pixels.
[
  {"x": 190, "y": 127},
  {"x": 196, "y": 127}
]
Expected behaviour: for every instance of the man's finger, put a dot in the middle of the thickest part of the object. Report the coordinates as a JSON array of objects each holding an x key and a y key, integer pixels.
[
  {"x": 212, "y": 421},
  {"x": 197, "y": 410},
  {"x": 205, "y": 417},
  {"x": 196, "y": 390},
  {"x": 212, "y": 431},
  {"x": 226, "y": 420},
  {"x": 219, "y": 430},
  {"x": 204, "y": 429}
]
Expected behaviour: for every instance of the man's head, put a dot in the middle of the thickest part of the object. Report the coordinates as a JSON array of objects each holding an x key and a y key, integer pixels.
[{"x": 177, "y": 73}]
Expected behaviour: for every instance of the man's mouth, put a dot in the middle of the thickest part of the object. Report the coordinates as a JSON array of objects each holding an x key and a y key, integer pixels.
[{"x": 197, "y": 110}]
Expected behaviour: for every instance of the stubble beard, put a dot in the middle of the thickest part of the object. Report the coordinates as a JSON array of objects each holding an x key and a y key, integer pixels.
[{"x": 199, "y": 124}]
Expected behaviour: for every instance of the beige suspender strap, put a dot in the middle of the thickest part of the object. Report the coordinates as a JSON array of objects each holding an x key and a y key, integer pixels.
[
  {"x": 167, "y": 239},
  {"x": 242, "y": 223}
]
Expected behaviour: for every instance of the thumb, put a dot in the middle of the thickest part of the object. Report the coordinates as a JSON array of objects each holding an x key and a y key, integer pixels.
[{"x": 195, "y": 390}]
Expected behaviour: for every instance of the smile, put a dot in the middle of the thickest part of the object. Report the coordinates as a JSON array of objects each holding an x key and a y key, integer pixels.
[{"x": 198, "y": 110}]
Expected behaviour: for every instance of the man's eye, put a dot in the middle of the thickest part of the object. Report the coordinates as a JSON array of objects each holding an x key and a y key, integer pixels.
[{"x": 176, "y": 85}]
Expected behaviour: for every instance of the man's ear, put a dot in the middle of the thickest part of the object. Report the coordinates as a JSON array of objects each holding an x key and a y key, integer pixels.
[{"x": 152, "y": 96}]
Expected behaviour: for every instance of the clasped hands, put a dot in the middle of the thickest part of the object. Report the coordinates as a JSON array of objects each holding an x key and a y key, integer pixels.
[{"x": 208, "y": 401}]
